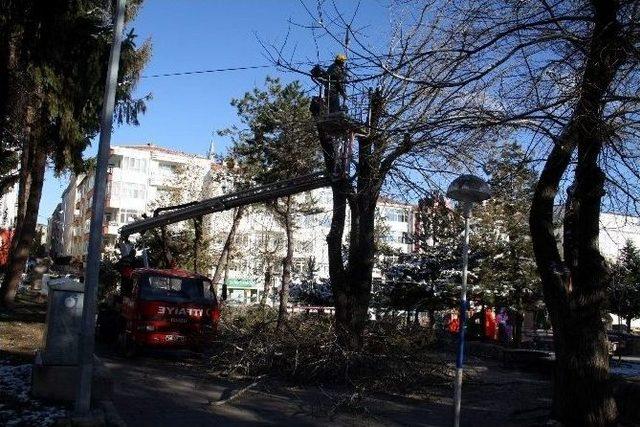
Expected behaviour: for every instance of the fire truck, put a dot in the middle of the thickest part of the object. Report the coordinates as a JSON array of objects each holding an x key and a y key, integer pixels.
[{"x": 172, "y": 308}]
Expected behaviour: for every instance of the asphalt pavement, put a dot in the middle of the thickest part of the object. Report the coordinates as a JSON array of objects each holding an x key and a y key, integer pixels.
[{"x": 175, "y": 390}]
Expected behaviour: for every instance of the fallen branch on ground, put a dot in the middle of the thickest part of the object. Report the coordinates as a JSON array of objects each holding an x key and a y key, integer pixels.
[{"x": 238, "y": 393}]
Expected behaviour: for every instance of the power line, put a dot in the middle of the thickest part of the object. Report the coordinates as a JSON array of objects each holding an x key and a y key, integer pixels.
[
  {"x": 220, "y": 70},
  {"x": 214, "y": 70}
]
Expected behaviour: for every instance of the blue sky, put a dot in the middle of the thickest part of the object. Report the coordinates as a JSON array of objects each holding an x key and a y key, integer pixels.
[{"x": 192, "y": 35}]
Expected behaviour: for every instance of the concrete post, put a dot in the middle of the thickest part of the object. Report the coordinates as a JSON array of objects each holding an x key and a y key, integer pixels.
[{"x": 87, "y": 336}]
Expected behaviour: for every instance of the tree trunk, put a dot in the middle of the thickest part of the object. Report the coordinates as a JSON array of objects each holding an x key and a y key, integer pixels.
[
  {"x": 351, "y": 283},
  {"x": 197, "y": 231},
  {"x": 517, "y": 329},
  {"x": 629, "y": 319},
  {"x": 574, "y": 287},
  {"x": 286, "y": 267},
  {"x": 267, "y": 284},
  {"x": 353, "y": 293},
  {"x": 27, "y": 221},
  {"x": 224, "y": 282},
  {"x": 431, "y": 313},
  {"x": 228, "y": 245}
]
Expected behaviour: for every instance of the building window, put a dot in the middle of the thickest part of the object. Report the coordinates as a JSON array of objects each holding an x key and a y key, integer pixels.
[
  {"x": 128, "y": 190},
  {"x": 397, "y": 215},
  {"x": 166, "y": 169},
  {"x": 128, "y": 215},
  {"x": 396, "y": 237},
  {"x": 133, "y": 164},
  {"x": 304, "y": 246}
]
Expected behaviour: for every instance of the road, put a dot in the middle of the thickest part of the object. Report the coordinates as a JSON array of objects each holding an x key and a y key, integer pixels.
[{"x": 165, "y": 390}]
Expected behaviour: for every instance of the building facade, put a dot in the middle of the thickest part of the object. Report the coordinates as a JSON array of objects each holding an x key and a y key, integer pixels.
[
  {"x": 9, "y": 208},
  {"x": 255, "y": 267},
  {"x": 615, "y": 231},
  {"x": 55, "y": 230},
  {"x": 140, "y": 178}
]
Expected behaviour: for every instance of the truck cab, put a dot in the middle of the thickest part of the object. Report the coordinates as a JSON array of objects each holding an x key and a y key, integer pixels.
[{"x": 167, "y": 308}]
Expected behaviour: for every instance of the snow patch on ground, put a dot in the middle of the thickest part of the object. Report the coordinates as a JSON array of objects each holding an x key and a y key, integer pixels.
[{"x": 17, "y": 407}]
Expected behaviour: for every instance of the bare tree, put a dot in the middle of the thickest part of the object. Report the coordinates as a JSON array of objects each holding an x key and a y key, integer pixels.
[
  {"x": 388, "y": 129},
  {"x": 561, "y": 78}
]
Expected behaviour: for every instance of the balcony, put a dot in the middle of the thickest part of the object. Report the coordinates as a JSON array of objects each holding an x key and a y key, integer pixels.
[{"x": 110, "y": 228}]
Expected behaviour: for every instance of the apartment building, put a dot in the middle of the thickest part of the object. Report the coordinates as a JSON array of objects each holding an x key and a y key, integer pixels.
[
  {"x": 260, "y": 242},
  {"x": 615, "y": 230},
  {"x": 140, "y": 178},
  {"x": 9, "y": 208},
  {"x": 55, "y": 230}
]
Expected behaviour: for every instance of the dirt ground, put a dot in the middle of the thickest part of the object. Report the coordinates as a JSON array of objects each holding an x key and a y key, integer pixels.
[{"x": 21, "y": 331}]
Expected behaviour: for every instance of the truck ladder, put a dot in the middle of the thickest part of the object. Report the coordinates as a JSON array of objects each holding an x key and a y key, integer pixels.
[{"x": 259, "y": 194}]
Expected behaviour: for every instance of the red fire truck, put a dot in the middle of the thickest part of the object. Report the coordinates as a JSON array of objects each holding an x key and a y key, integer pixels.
[{"x": 162, "y": 308}]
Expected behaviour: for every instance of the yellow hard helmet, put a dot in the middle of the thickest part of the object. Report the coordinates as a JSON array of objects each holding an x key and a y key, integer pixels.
[{"x": 341, "y": 57}]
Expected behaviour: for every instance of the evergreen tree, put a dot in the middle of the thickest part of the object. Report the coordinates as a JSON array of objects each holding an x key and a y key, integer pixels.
[
  {"x": 430, "y": 279},
  {"x": 278, "y": 142},
  {"x": 308, "y": 288},
  {"x": 58, "y": 54},
  {"x": 624, "y": 284},
  {"x": 507, "y": 274}
]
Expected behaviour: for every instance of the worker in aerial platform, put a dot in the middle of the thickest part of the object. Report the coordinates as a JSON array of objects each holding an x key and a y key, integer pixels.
[{"x": 333, "y": 80}]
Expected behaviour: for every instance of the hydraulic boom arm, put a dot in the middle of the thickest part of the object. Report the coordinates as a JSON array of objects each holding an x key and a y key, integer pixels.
[{"x": 259, "y": 194}]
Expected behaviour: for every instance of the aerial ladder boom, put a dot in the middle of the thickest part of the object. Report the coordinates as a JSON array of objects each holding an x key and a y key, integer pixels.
[{"x": 260, "y": 194}]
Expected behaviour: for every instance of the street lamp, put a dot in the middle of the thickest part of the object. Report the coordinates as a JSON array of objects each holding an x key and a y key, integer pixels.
[{"x": 468, "y": 190}]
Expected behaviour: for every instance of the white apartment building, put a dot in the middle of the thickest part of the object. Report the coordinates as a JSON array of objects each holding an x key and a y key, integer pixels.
[
  {"x": 140, "y": 177},
  {"x": 260, "y": 242},
  {"x": 260, "y": 245},
  {"x": 615, "y": 230},
  {"x": 9, "y": 208}
]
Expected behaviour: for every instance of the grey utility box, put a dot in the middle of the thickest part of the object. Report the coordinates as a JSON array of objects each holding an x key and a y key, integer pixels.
[
  {"x": 64, "y": 320},
  {"x": 55, "y": 369}
]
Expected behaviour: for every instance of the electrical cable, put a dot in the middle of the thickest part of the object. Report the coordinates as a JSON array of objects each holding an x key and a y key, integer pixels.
[
  {"x": 215, "y": 70},
  {"x": 219, "y": 70}
]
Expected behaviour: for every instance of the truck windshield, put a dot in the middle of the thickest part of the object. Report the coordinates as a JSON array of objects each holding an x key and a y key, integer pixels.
[{"x": 167, "y": 288}]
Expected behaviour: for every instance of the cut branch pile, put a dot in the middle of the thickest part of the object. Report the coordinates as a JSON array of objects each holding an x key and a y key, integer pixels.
[{"x": 394, "y": 358}]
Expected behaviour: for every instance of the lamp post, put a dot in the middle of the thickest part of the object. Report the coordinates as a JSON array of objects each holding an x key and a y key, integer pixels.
[{"x": 468, "y": 190}]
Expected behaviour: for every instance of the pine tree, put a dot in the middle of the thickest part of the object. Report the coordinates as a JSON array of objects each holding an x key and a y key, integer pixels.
[
  {"x": 624, "y": 284},
  {"x": 278, "y": 142},
  {"x": 507, "y": 274},
  {"x": 428, "y": 280},
  {"x": 59, "y": 49}
]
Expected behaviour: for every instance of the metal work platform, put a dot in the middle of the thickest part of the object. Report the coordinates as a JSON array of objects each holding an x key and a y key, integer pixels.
[
  {"x": 341, "y": 122},
  {"x": 259, "y": 194}
]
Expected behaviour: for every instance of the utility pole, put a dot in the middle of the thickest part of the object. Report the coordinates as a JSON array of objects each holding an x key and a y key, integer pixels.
[{"x": 87, "y": 335}]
